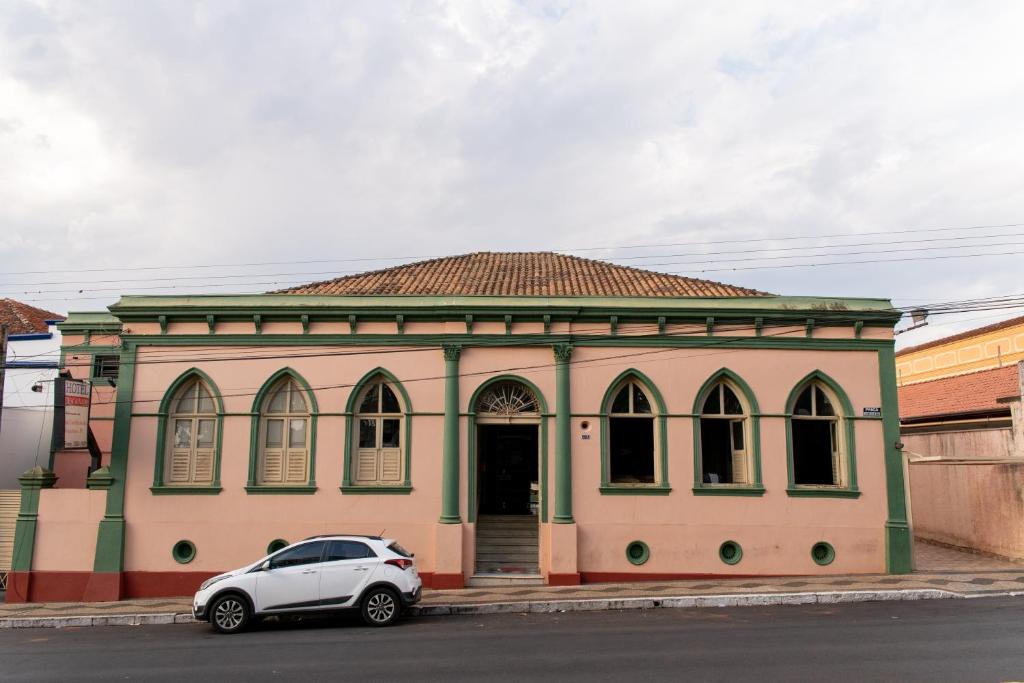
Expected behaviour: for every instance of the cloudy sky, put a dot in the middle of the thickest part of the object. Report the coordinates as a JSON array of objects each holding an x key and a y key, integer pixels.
[{"x": 330, "y": 137}]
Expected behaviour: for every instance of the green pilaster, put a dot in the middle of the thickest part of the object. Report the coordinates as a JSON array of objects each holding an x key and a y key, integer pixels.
[
  {"x": 110, "y": 537},
  {"x": 898, "y": 541},
  {"x": 32, "y": 482},
  {"x": 450, "y": 463},
  {"x": 563, "y": 437}
]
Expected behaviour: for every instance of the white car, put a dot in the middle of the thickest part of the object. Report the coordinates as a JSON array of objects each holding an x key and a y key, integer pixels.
[{"x": 320, "y": 574}]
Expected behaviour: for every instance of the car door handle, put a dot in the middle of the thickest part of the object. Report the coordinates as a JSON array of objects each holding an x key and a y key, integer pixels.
[
  {"x": 309, "y": 571},
  {"x": 362, "y": 569}
]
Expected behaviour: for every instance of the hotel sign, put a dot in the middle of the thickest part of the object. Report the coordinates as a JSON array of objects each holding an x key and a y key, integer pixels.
[{"x": 71, "y": 414}]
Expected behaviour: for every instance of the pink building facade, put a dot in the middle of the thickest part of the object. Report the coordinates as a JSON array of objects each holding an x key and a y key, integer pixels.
[{"x": 556, "y": 439}]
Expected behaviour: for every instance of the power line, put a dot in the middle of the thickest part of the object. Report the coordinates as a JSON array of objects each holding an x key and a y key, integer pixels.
[
  {"x": 82, "y": 286},
  {"x": 565, "y": 250}
]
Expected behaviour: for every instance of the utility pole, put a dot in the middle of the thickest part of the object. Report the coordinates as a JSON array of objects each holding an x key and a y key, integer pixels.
[{"x": 3, "y": 366}]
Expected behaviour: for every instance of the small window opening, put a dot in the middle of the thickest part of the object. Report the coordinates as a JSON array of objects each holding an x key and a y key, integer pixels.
[
  {"x": 816, "y": 443},
  {"x": 631, "y": 441}
]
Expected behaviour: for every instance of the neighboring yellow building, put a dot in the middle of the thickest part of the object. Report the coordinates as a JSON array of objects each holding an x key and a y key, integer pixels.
[{"x": 994, "y": 346}]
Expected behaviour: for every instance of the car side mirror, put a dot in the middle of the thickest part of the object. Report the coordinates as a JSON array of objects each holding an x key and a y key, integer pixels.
[{"x": 265, "y": 566}]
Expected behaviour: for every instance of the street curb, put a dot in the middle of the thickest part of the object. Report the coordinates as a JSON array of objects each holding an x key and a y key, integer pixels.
[
  {"x": 690, "y": 601},
  {"x": 550, "y": 606}
]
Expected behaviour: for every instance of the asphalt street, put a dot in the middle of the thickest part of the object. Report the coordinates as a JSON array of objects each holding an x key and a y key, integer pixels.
[{"x": 935, "y": 640}]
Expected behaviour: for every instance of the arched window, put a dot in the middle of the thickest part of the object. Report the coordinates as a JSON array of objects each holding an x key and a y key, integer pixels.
[
  {"x": 192, "y": 439},
  {"x": 817, "y": 439},
  {"x": 378, "y": 436},
  {"x": 284, "y": 435},
  {"x": 631, "y": 436},
  {"x": 724, "y": 437}
]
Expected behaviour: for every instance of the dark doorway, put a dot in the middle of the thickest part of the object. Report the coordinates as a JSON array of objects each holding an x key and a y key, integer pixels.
[{"x": 507, "y": 466}]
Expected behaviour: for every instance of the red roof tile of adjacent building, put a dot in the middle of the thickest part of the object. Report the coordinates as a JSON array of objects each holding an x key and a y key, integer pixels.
[
  {"x": 519, "y": 274},
  {"x": 976, "y": 392},
  {"x": 21, "y": 318}
]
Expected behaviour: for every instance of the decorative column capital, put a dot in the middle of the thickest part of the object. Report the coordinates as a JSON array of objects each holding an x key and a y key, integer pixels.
[
  {"x": 37, "y": 478},
  {"x": 451, "y": 351},
  {"x": 562, "y": 352}
]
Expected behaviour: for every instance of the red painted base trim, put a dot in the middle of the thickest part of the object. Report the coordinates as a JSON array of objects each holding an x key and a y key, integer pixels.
[
  {"x": 18, "y": 584},
  {"x": 442, "y": 581},
  {"x": 564, "y": 579},
  {"x": 626, "y": 577},
  {"x": 163, "y": 584},
  {"x": 103, "y": 587}
]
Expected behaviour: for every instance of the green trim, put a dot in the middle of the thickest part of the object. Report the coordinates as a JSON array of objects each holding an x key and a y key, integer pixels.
[
  {"x": 277, "y": 544},
  {"x": 183, "y": 551},
  {"x": 642, "y": 557},
  {"x": 100, "y": 479},
  {"x": 899, "y": 542},
  {"x": 490, "y": 340},
  {"x": 727, "y": 490},
  {"x": 732, "y": 557},
  {"x": 164, "y": 411},
  {"x": 280, "y": 489},
  {"x": 563, "y": 436},
  {"x": 450, "y": 444},
  {"x": 254, "y": 434},
  {"x": 185, "y": 490},
  {"x": 376, "y": 490},
  {"x": 542, "y": 437},
  {"x": 110, "y": 533},
  {"x": 660, "y": 421},
  {"x": 350, "y": 408},
  {"x": 32, "y": 482},
  {"x": 756, "y": 483},
  {"x": 826, "y": 558},
  {"x": 850, "y": 451},
  {"x": 456, "y": 307},
  {"x": 634, "y": 490},
  {"x": 808, "y": 492}
]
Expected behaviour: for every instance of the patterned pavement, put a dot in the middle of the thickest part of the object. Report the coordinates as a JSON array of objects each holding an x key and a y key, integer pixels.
[{"x": 939, "y": 567}]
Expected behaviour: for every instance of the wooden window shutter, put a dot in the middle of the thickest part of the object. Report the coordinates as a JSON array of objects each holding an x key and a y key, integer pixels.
[
  {"x": 366, "y": 465},
  {"x": 739, "y": 452},
  {"x": 296, "y": 473},
  {"x": 391, "y": 465}
]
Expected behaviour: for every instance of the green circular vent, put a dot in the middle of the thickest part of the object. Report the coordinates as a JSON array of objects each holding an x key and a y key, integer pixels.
[
  {"x": 637, "y": 552},
  {"x": 823, "y": 553},
  {"x": 730, "y": 552},
  {"x": 184, "y": 552},
  {"x": 276, "y": 545}
]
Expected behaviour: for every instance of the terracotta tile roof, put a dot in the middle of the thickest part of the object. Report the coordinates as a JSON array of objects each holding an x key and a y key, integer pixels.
[
  {"x": 963, "y": 335},
  {"x": 21, "y": 318},
  {"x": 519, "y": 274},
  {"x": 976, "y": 392}
]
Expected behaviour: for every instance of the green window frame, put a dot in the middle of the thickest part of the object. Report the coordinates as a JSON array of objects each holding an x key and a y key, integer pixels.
[
  {"x": 752, "y": 433},
  {"x": 184, "y": 381},
  {"x": 348, "y": 482},
  {"x": 660, "y": 485},
  {"x": 256, "y": 435},
  {"x": 843, "y": 434}
]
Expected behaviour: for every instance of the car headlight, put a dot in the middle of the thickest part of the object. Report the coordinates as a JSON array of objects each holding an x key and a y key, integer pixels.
[{"x": 209, "y": 582}]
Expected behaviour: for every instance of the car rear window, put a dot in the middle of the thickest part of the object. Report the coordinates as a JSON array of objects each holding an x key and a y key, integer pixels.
[{"x": 395, "y": 548}]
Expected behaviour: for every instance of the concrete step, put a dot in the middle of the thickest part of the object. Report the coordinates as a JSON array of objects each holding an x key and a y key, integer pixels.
[
  {"x": 506, "y": 568},
  {"x": 508, "y": 537},
  {"x": 506, "y": 547},
  {"x": 503, "y": 561},
  {"x": 480, "y": 580}
]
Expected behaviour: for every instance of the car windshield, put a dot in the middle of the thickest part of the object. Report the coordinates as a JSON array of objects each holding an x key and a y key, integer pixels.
[{"x": 395, "y": 548}]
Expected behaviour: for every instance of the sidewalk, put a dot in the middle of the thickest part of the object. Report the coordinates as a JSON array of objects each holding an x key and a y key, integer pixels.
[{"x": 943, "y": 573}]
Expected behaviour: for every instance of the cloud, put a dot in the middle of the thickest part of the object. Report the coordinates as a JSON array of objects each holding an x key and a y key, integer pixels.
[{"x": 168, "y": 133}]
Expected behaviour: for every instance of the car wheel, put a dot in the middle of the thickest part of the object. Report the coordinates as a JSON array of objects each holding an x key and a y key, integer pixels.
[
  {"x": 230, "y": 614},
  {"x": 381, "y": 607}
]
